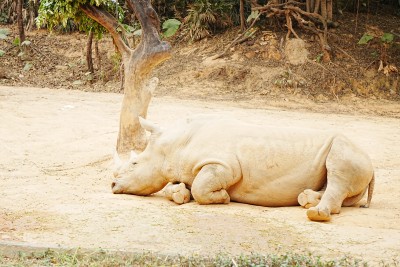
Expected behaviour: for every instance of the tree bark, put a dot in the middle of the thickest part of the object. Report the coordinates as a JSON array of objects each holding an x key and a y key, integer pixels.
[
  {"x": 20, "y": 21},
  {"x": 329, "y": 9},
  {"x": 323, "y": 9},
  {"x": 98, "y": 56},
  {"x": 89, "y": 57},
  {"x": 316, "y": 6},
  {"x": 138, "y": 64},
  {"x": 242, "y": 19}
]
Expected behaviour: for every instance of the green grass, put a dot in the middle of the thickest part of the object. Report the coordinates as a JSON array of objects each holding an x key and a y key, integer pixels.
[{"x": 103, "y": 258}]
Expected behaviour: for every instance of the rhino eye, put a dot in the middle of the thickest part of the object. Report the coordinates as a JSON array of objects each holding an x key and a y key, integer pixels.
[{"x": 134, "y": 163}]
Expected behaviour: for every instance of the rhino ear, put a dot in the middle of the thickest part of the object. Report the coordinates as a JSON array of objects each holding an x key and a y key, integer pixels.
[{"x": 149, "y": 126}]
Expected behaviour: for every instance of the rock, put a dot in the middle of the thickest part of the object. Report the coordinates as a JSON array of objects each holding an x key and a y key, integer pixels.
[
  {"x": 3, "y": 74},
  {"x": 296, "y": 51},
  {"x": 250, "y": 54}
]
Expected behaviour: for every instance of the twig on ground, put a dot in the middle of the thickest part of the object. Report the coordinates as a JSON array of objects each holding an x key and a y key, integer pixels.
[
  {"x": 345, "y": 53},
  {"x": 239, "y": 39}
]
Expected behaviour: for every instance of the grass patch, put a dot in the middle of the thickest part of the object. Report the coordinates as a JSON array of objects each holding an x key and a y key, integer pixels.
[{"x": 103, "y": 258}]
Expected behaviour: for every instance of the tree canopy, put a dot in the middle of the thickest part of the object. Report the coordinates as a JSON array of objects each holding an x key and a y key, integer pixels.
[{"x": 53, "y": 13}]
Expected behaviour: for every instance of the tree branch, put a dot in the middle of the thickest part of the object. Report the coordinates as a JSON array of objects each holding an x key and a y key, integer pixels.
[
  {"x": 148, "y": 19},
  {"x": 111, "y": 24},
  {"x": 151, "y": 47}
]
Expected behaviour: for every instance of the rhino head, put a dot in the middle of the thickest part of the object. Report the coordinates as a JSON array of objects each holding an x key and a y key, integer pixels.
[{"x": 142, "y": 173}]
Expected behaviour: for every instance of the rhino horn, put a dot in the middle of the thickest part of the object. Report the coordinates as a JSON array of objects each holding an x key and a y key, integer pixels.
[
  {"x": 117, "y": 160},
  {"x": 149, "y": 126}
]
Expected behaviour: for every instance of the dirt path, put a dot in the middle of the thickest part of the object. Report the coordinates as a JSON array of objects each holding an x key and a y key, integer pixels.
[{"x": 55, "y": 154}]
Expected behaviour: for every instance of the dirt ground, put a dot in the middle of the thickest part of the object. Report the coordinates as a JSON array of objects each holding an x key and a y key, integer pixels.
[{"x": 55, "y": 176}]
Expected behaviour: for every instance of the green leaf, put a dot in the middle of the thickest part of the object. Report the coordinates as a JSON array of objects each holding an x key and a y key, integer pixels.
[
  {"x": 387, "y": 37},
  {"x": 128, "y": 28},
  {"x": 170, "y": 26},
  {"x": 17, "y": 41},
  {"x": 365, "y": 39},
  {"x": 27, "y": 66},
  {"x": 171, "y": 23},
  {"x": 253, "y": 15},
  {"x": 4, "y": 33},
  {"x": 2, "y": 53},
  {"x": 137, "y": 32},
  {"x": 318, "y": 58}
]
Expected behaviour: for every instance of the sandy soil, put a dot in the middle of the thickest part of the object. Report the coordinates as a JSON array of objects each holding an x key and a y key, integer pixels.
[{"x": 55, "y": 159}]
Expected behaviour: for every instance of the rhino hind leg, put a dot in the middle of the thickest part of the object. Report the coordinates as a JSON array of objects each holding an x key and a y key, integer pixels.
[
  {"x": 309, "y": 198},
  {"x": 349, "y": 171},
  {"x": 210, "y": 184},
  {"x": 330, "y": 204}
]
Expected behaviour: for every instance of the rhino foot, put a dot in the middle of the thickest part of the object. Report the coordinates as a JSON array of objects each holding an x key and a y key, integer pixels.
[
  {"x": 177, "y": 193},
  {"x": 309, "y": 198},
  {"x": 317, "y": 214}
]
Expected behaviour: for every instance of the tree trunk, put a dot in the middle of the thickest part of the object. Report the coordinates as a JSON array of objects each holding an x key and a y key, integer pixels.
[
  {"x": 98, "y": 56},
  {"x": 20, "y": 21},
  {"x": 323, "y": 9},
  {"x": 89, "y": 57},
  {"x": 329, "y": 9},
  {"x": 316, "y": 6},
  {"x": 138, "y": 64},
  {"x": 242, "y": 19}
]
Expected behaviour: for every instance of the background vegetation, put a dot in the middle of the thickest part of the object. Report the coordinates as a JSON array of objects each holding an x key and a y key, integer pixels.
[
  {"x": 347, "y": 39},
  {"x": 102, "y": 258}
]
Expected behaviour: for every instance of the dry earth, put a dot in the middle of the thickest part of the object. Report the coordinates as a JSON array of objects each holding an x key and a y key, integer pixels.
[{"x": 55, "y": 158}]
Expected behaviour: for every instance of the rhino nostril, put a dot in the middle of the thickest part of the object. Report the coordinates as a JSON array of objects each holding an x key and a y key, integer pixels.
[{"x": 112, "y": 185}]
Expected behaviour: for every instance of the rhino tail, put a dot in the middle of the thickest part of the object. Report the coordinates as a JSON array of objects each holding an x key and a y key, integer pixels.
[
  {"x": 350, "y": 201},
  {"x": 371, "y": 187}
]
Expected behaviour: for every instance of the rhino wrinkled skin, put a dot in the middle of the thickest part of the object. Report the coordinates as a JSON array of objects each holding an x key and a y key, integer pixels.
[{"x": 221, "y": 160}]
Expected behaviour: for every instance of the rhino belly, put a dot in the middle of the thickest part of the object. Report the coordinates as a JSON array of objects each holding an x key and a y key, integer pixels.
[{"x": 278, "y": 192}]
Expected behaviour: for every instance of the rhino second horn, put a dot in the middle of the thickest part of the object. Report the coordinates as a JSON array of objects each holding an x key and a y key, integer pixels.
[
  {"x": 149, "y": 126},
  {"x": 133, "y": 155}
]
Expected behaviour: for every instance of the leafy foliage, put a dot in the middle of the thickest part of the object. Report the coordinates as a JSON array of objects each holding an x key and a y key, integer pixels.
[
  {"x": 365, "y": 39},
  {"x": 201, "y": 17},
  {"x": 4, "y": 33},
  {"x": 387, "y": 38},
  {"x": 206, "y": 16},
  {"x": 54, "y": 13},
  {"x": 384, "y": 38}
]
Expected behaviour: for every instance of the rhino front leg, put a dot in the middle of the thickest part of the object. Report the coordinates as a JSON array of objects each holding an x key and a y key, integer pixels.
[
  {"x": 210, "y": 184},
  {"x": 309, "y": 198},
  {"x": 177, "y": 193}
]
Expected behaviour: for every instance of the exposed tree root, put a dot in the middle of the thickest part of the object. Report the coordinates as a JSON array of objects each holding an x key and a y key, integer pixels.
[
  {"x": 310, "y": 21},
  {"x": 292, "y": 11}
]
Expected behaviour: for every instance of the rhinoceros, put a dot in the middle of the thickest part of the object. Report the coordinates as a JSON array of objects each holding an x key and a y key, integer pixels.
[{"x": 223, "y": 159}]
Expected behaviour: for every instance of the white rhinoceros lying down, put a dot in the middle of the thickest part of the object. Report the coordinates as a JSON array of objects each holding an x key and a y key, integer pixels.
[{"x": 223, "y": 160}]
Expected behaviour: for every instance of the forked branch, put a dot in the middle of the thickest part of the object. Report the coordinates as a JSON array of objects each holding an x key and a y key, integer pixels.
[{"x": 111, "y": 24}]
